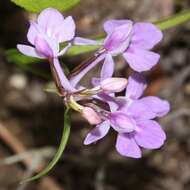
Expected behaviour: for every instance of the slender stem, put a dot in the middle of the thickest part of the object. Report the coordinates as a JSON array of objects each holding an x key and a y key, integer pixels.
[
  {"x": 174, "y": 20},
  {"x": 63, "y": 143}
]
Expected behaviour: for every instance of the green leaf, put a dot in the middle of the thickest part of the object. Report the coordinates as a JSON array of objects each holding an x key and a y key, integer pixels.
[
  {"x": 63, "y": 143},
  {"x": 38, "y": 5}
]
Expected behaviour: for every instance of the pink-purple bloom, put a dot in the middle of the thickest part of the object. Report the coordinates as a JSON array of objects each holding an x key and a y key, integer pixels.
[
  {"x": 47, "y": 33},
  {"x": 133, "y": 41},
  {"x": 133, "y": 118}
]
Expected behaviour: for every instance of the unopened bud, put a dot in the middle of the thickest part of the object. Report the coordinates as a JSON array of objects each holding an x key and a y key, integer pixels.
[
  {"x": 114, "y": 84},
  {"x": 91, "y": 116}
]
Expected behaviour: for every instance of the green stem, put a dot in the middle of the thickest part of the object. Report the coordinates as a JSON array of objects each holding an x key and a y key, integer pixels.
[
  {"x": 174, "y": 20},
  {"x": 64, "y": 140}
]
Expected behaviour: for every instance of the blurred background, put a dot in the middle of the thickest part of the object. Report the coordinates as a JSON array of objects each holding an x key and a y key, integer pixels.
[{"x": 31, "y": 120}]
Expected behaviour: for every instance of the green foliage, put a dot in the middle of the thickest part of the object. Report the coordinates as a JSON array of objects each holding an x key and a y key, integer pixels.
[
  {"x": 38, "y": 5},
  {"x": 63, "y": 143},
  {"x": 174, "y": 20},
  {"x": 77, "y": 50},
  {"x": 13, "y": 55}
]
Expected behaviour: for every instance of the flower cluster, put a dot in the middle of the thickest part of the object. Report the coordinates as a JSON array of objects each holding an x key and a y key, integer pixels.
[{"x": 131, "y": 115}]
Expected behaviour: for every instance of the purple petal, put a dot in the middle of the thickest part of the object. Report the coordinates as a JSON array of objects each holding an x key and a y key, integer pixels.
[
  {"x": 157, "y": 105},
  {"x": 126, "y": 146},
  {"x": 150, "y": 135},
  {"x": 66, "y": 30},
  {"x": 136, "y": 86},
  {"x": 146, "y": 35},
  {"x": 110, "y": 25},
  {"x": 118, "y": 41},
  {"x": 140, "y": 111},
  {"x": 43, "y": 47},
  {"x": 121, "y": 122},
  {"x": 97, "y": 133},
  {"x": 29, "y": 51},
  {"x": 141, "y": 60},
  {"x": 75, "y": 80},
  {"x": 84, "y": 41},
  {"x": 107, "y": 68},
  {"x": 49, "y": 19},
  {"x": 63, "y": 80},
  {"x": 33, "y": 31}
]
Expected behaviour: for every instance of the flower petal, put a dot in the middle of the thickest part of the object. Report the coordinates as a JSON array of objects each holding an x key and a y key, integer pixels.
[
  {"x": 121, "y": 122},
  {"x": 43, "y": 47},
  {"x": 110, "y": 25},
  {"x": 136, "y": 86},
  {"x": 107, "y": 68},
  {"x": 150, "y": 135},
  {"x": 157, "y": 105},
  {"x": 97, "y": 133},
  {"x": 66, "y": 30},
  {"x": 141, "y": 60},
  {"x": 49, "y": 19},
  {"x": 33, "y": 31},
  {"x": 140, "y": 111},
  {"x": 126, "y": 146},
  {"x": 146, "y": 35},
  {"x": 29, "y": 51},
  {"x": 118, "y": 41},
  {"x": 84, "y": 41}
]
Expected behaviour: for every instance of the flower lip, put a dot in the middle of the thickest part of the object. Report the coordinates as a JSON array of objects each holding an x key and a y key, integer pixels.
[
  {"x": 118, "y": 41},
  {"x": 121, "y": 122}
]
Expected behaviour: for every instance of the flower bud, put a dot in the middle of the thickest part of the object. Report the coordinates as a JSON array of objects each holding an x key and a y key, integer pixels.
[
  {"x": 114, "y": 84},
  {"x": 91, "y": 116}
]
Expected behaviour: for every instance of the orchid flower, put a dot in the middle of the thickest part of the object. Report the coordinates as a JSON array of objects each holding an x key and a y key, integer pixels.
[
  {"x": 47, "y": 33},
  {"x": 132, "y": 118},
  {"x": 131, "y": 40}
]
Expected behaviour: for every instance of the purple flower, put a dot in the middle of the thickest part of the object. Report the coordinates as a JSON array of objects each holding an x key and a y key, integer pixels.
[
  {"x": 47, "y": 33},
  {"x": 133, "y": 118},
  {"x": 132, "y": 41}
]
